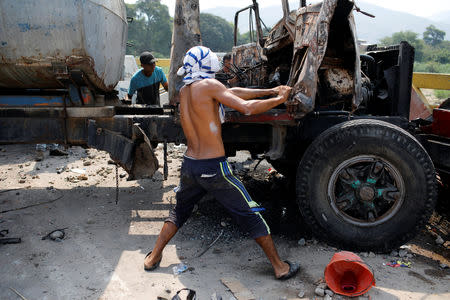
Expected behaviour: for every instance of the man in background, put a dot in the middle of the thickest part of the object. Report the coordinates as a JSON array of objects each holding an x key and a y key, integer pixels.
[
  {"x": 226, "y": 75},
  {"x": 147, "y": 80}
]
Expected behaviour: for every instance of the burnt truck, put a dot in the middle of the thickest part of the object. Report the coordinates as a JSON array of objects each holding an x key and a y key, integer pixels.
[{"x": 365, "y": 174}]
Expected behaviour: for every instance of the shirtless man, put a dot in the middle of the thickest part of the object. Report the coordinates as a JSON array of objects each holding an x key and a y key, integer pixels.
[{"x": 205, "y": 168}]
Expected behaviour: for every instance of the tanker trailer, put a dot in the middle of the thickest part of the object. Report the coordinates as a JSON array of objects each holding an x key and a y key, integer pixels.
[
  {"x": 46, "y": 44},
  {"x": 59, "y": 63}
]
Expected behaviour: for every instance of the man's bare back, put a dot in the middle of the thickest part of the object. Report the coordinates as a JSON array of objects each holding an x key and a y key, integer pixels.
[{"x": 199, "y": 110}]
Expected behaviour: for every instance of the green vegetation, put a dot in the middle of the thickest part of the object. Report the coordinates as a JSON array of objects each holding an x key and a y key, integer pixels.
[
  {"x": 442, "y": 94},
  {"x": 432, "y": 52},
  {"x": 217, "y": 33},
  {"x": 151, "y": 30}
]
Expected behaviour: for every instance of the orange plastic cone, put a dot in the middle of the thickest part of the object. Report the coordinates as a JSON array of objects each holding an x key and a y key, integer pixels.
[{"x": 346, "y": 274}]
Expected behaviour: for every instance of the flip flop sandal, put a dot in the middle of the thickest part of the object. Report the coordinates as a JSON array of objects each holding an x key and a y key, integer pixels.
[
  {"x": 156, "y": 265},
  {"x": 293, "y": 269},
  {"x": 191, "y": 296}
]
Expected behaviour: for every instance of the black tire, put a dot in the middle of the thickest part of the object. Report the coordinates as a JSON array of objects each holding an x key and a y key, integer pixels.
[{"x": 387, "y": 153}]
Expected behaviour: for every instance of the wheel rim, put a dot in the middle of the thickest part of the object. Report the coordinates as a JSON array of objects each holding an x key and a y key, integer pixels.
[{"x": 366, "y": 190}]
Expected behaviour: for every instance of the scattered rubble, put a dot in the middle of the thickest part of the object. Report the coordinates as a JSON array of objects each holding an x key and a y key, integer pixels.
[
  {"x": 319, "y": 291},
  {"x": 394, "y": 253},
  {"x": 301, "y": 242},
  {"x": 402, "y": 252}
]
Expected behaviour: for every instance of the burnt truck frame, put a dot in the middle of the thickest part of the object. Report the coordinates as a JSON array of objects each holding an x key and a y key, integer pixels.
[{"x": 362, "y": 171}]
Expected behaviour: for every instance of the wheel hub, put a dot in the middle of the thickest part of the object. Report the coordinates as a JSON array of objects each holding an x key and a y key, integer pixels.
[{"x": 366, "y": 193}]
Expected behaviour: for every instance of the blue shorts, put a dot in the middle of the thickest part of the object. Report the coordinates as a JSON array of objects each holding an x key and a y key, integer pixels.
[{"x": 199, "y": 176}]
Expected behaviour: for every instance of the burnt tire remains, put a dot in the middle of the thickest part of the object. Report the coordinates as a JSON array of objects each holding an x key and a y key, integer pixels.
[{"x": 366, "y": 185}]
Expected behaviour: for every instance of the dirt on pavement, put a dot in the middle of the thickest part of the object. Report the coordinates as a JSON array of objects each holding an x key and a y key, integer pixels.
[{"x": 101, "y": 255}]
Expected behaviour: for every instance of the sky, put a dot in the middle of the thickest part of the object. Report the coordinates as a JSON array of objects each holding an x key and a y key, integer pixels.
[{"x": 415, "y": 7}]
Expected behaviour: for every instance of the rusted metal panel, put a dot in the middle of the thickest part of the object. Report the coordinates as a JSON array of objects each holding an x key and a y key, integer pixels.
[
  {"x": 312, "y": 45},
  {"x": 419, "y": 108},
  {"x": 43, "y": 39},
  {"x": 273, "y": 116},
  {"x": 250, "y": 61}
]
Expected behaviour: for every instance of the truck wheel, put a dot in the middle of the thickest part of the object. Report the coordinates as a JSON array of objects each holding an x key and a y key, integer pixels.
[{"x": 366, "y": 185}]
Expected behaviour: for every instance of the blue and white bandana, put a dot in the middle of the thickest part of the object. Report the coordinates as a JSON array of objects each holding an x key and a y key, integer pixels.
[{"x": 200, "y": 63}]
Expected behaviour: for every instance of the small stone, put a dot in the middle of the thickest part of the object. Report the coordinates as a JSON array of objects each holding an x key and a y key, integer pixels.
[
  {"x": 322, "y": 285},
  {"x": 372, "y": 255},
  {"x": 217, "y": 251},
  {"x": 223, "y": 224},
  {"x": 111, "y": 162},
  {"x": 365, "y": 254},
  {"x": 301, "y": 294},
  {"x": 168, "y": 291},
  {"x": 82, "y": 177},
  {"x": 394, "y": 253},
  {"x": 87, "y": 163},
  {"x": 301, "y": 242},
  {"x": 57, "y": 235},
  {"x": 22, "y": 181},
  {"x": 439, "y": 240},
  {"x": 91, "y": 156},
  {"x": 443, "y": 266},
  {"x": 409, "y": 255},
  {"x": 402, "y": 253},
  {"x": 122, "y": 175},
  {"x": 319, "y": 292},
  {"x": 329, "y": 292},
  {"x": 327, "y": 297}
]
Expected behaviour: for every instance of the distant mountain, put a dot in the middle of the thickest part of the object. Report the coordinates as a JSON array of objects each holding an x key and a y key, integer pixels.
[
  {"x": 389, "y": 21},
  {"x": 371, "y": 30},
  {"x": 441, "y": 17}
]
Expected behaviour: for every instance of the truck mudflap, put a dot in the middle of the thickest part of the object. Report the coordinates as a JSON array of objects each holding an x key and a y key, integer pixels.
[{"x": 135, "y": 155}]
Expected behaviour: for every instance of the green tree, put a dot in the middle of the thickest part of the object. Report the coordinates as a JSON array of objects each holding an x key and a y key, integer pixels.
[
  {"x": 151, "y": 28},
  {"x": 217, "y": 33},
  {"x": 408, "y": 36},
  {"x": 439, "y": 54},
  {"x": 433, "y": 36}
]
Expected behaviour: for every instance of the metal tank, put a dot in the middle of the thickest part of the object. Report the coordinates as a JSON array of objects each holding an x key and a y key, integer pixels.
[{"x": 41, "y": 41}]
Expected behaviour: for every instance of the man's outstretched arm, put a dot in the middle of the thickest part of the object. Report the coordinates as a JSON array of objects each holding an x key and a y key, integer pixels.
[
  {"x": 248, "y": 107},
  {"x": 247, "y": 94}
]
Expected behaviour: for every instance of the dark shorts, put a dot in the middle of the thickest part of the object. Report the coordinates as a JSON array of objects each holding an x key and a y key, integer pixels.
[{"x": 199, "y": 176}]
